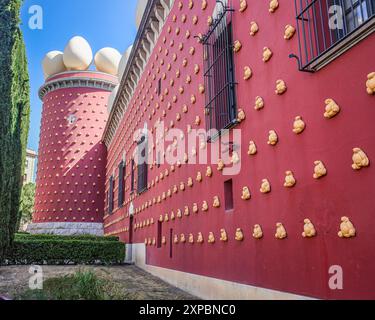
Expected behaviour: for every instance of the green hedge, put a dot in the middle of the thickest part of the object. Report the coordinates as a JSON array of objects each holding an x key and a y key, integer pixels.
[
  {"x": 65, "y": 252},
  {"x": 28, "y": 237}
]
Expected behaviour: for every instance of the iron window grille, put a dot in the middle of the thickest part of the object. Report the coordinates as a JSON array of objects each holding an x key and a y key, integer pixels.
[
  {"x": 121, "y": 186},
  {"x": 159, "y": 234},
  {"x": 219, "y": 77},
  {"x": 110, "y": 195},
  {"x": 132, "y": 167},
  {"x": 324, "y": 25},
  {"x": 142, "y": 166},
  {"x": 159, "y": 87}
]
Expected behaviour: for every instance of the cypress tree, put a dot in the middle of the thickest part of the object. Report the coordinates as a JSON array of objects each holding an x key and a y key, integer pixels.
[{"x": 14, "y": 117}]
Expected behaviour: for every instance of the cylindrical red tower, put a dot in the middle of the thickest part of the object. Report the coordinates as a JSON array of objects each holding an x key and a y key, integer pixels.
[{"x": 71, "y": 170}]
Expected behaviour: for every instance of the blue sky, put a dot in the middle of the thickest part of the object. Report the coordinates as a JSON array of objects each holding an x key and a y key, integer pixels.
[{"x": 109, "y": 23}]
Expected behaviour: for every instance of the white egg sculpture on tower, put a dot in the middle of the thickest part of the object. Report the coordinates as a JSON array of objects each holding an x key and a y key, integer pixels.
[
  {"x": 112, "y": 98},
  {"x": 77, "y": 54},
  {"x": 123, "y": 62},
  {"x": 107, "y": 60},
  {"x": 141, "y": 7},
  {"x": 53, "y": 63}
]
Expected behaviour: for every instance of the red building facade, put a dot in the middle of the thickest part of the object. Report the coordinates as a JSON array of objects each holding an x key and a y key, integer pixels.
[{"x": 306, "y": 128}]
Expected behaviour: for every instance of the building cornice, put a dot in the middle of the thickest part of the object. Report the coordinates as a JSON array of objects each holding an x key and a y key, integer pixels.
[
  {"x": 76, "y": 82},
  {"x": 155, "y": 15}
]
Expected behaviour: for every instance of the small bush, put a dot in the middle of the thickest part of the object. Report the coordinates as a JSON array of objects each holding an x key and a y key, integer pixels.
[
  {"x": 28, "y": 236},
  {"x": 84, "y": 285},
  {"x": 65, "y": 252}
]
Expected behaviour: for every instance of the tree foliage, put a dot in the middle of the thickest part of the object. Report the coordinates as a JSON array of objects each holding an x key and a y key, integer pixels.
[
  {"x": 27, "y": 203},
  {"x": 14, "y": 117}
]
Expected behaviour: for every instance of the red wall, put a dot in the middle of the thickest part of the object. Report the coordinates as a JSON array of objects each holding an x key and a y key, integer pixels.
[
  {"x": 295, "y": 264},
  {"x": 72, "y": 158}
]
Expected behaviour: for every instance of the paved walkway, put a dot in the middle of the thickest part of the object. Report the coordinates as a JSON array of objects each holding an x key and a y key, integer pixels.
[{"x": 136, "y": 283}]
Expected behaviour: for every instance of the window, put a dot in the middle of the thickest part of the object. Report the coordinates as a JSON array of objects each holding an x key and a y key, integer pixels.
[
  {"x": 121, "y": 184},
  {"x": 159, "y": 239},
  {"x": 357, "y": 12},
  {"x": 159, "y": 87},
  {"x": 110, "y": 195},
  {"x": 71, "y": 119},
  {"x": 219, "y": 75},
  {"x": 171, "y": 243},
  {"x": 26, "y": 163},
  {"x": 132, "y": 176},
  {"x": 142, "y": 166},
  {"x": 228, "y": 192},
  {"x": 328, "y": 28}
]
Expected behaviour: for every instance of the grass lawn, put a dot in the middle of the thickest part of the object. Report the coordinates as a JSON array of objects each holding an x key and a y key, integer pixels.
[
  {"x": 124, "y": 282},
  {"x": 83, "y": 285}
]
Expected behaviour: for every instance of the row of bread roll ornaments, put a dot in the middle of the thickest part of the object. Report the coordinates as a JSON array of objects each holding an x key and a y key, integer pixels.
[
  {"x": 347, "y": 230},
  {"x": 78, "y": 56}
]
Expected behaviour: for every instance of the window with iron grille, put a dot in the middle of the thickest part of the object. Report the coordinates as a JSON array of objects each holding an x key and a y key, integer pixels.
[
  {"x": 160, "y": 235},
  {"x": 132, "y": 175},
  {"x": 142, "y": 166},
  {"x": 110, "y": 195},
  {"x": 121, "y": 184},
  {"x": 327, "y": 28},
  {"x": 159, "y": 87},
  {"x": 219, "y": 75}
]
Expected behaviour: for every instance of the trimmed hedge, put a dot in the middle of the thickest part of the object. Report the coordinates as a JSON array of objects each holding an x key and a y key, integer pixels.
[
  {"x": 65, "y": 252},
  {"x": 28, "y": 237}
]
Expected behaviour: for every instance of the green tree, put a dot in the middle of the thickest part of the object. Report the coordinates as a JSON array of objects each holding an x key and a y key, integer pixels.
[
  {"x": 14, "y": 117},
  {"x": 26, "y": 204}
]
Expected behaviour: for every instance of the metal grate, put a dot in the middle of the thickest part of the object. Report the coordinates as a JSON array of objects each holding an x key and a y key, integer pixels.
[
  {"x": 110, "y": 195},
  {"x": 121, "y": 181},
  {"x": 142, "y": 166},
  {"x": 220, "y": 108},
  {"x": 132, "y": 175},
  {"x": 323, "y": 24}
]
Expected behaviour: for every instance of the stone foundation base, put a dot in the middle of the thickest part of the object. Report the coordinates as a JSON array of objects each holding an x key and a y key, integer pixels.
[{"x": 66, "y": 228}]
